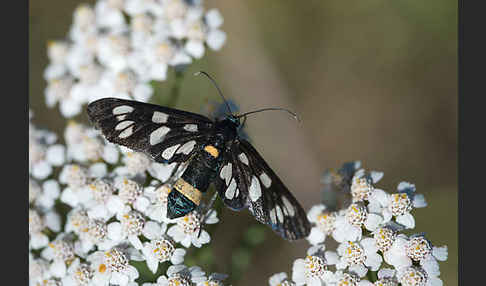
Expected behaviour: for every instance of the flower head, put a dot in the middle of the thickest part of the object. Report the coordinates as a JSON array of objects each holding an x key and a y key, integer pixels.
[{"x": 188, "y": 229}]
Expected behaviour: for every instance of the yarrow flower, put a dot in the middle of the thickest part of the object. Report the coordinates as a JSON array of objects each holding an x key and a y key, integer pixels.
[
  {"x": 44, "y": 153},
  {"x": 368, "y": 232},
  {"x": 311, "y": 270},
  {"x": 95, "y": 208},
  {"x": 113, "y": 218},
  {"x": 188, "y": 229},
  {"x": 359, "y": 257},
  {"x": 398, "y": 205},
  {"x": 112, "y": 267},
  {"x": 180, "y": 275},
  {"x": 160, "y": 250},
  {"x": 280, "y": 279},
  {"x": 116, "y": 48}
]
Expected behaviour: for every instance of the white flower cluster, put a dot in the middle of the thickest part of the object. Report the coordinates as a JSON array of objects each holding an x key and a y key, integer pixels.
[
  {"x": 94, "y": 208},
  {"x": 371, "y": 248},
  {"x": 117, "y": 47}
]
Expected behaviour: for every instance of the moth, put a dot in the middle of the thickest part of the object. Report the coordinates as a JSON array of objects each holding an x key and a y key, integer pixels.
[{"x": 214, "y": 153}]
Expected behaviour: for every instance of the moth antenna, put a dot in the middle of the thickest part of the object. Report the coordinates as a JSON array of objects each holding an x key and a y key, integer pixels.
[
  {"x": 295, "y": 116},
  {"x": 217, "y": 87}
]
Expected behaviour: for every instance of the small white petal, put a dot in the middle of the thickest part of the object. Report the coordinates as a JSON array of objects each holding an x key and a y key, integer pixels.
[
  {"x": 386, "y": 273},
  {"x": 407, "y": 220},
  {"x": 118, "y": 279},
  {"x": 369, "y": 245},
  {"x": 365, "y": 283},
  {"x": 135, "y": 241},
  {"x": 316, "y": 236},
  {"x": 212, "y": 218},
  {"x": 430, "y": 265},
  {"x": 387, "y": 215},
  {"x": 53, "y": 221},
  {"x": 380, "y": 196},
  {"x": 152, "y": 230},
  {"x": 374, "y": 207},
  {"x": 216, "y": 39},
  {"x": 419, "y": 201},
  {"x": 204, "y": 237},
  {"x": 160, "y": 171},
  {"x": 58, "y": 269},
  {"x": 298, "y": 271},
  {"x": 98, "y": 170},
  {"x": 110, "y": 154},
  {"x": 314, "y": 212},
  {"x": 331, "y": 257},
  {"x": 178, "y": 256},
  {"x": 56, "y": 154},
  {"x": 373, "y": 261},
  {"x": 152, "y": 263},
  {"x": 373, "y": 221},
  {"x": 115, "y": 204},
  {"x": 99, "y": 212},
  {"x": 41, "y": 170},
  {"x": 376, "y": 176},
  {"x": 195, "y": 48},
  {"x": 440, "y": 253},
  {"x": 214, "y": 18},
  {"x": 434, "y": 281},
  {"x": 141, "y": 204},
  {"x": 51, "y": 188},
  {"x": 277, "y": 278},
  {"x": 38, "y": 240},
  {"x": 359, "y": 269},
  {"x": 114, "y": 230},
  {"x": 405, "y": 185},
  {"x": 314, "y": 281},
  {"x": 69, "y": 197}
]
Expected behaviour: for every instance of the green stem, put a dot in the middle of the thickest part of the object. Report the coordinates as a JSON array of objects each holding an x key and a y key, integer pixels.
[
  {"x": 372, "y": 276},
  {"x": 175, "y": 91}
]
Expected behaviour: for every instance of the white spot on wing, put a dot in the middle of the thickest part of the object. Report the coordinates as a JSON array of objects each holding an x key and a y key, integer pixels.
[
  {"x": 226, "y": 173},
  {"x": 127, "y": 132},
  {"x": 231, "y": 190},
  {"x": 190, "y": 127},
  {"x": 169, "y": 152},
  {"x": 121, "y": 117},
  {"x": 187, "y": 147},
  {"x": 159, "y": 117},
  {"x": 124, "y": 124},
  {"x": 122, "y": 109},
  {"x": 288, "y": 206},
  {"x": 280, "y": 215},
  {"x": 158, "y": 134},
  {"x": 273, "y": 216},
  {"x": 266, "y": 181},
  {"x": 243, "y": 158},
  {"x": 255, "y": 189}
]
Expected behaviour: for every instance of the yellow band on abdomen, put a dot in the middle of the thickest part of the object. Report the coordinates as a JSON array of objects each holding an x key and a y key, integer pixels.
[{"x": 188, "y": 191}]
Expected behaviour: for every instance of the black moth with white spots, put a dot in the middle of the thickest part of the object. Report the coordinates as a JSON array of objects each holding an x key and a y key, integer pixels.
[{"x": 214, "y": 153}]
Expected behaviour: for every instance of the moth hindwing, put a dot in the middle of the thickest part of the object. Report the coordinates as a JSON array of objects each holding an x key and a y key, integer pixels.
[{"x": 213, "y": 152}]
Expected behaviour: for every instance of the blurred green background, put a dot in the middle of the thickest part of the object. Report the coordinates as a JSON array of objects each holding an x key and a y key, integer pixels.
[{"x": 372, "y": 80}]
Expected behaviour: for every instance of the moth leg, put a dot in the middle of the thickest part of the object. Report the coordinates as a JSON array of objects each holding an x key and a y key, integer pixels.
[{"x": 206, "y": 211}]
